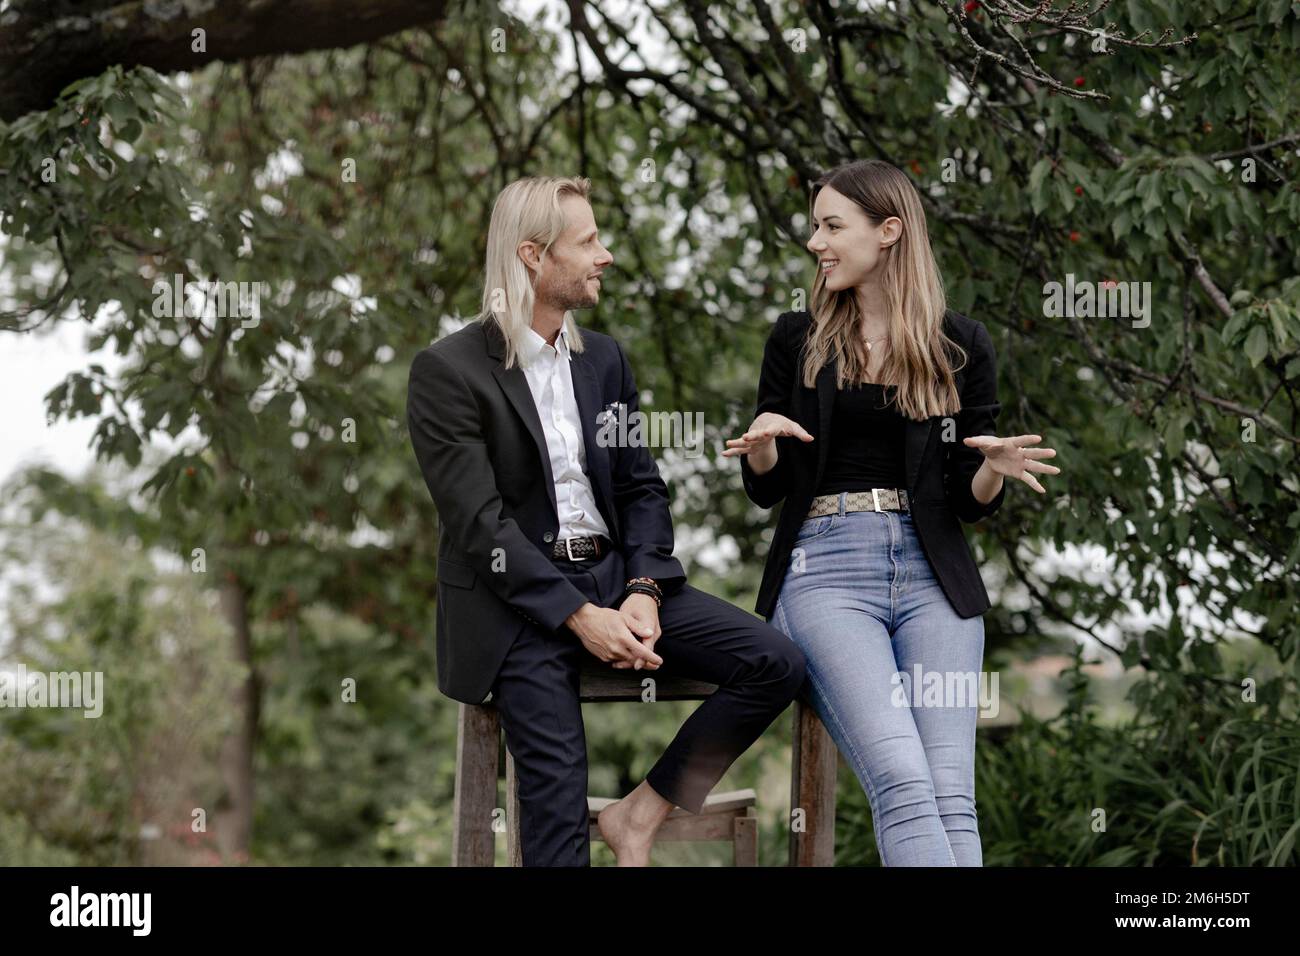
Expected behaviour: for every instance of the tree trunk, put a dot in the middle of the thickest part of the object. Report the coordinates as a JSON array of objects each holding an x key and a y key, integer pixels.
[{"x": 233, "y": 818}]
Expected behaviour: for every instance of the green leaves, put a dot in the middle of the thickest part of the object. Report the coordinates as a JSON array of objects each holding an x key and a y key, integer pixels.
[
  {"x": 1037, "y": 176},
  {"x": 1121, "y": 224},
  {"x": 705, "y": 268},
  {"x": 1258, "y": 327},
  {"x": 1257, "y": 345},
  {"x": 1058, "y": 188},
  {"x": 1148, "y": 190},
  {"x": 1175, "y": 429}
]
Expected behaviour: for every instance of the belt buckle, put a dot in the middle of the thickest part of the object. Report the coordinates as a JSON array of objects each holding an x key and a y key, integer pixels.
[
  {"x": 568, "y": 549},
  {"x": 875, "y": 497}
]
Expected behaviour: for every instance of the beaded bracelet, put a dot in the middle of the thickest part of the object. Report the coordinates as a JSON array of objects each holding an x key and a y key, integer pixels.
[
  {"x": 644, "y": 586},
  {"x": 642, "y": 589},
  {"x": 648, "y": 582}
]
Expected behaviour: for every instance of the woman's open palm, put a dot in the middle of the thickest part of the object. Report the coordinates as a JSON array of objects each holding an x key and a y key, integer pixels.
[
  {"x": 1013, "y": 458},
  {"x": 766, "y": 428}
]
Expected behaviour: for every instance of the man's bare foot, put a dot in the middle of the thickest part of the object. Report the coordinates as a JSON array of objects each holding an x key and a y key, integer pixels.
[{"x": 629, "y": 825}]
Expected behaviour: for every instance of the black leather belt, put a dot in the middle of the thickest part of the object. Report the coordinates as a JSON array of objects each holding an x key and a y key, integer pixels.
[{"x": 580, "y": 549}]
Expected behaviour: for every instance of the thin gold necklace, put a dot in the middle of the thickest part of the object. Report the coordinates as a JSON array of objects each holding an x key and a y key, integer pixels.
[{"x": 869, "y": 341}]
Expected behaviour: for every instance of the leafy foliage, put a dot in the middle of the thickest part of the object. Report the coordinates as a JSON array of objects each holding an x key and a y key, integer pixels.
[{"x": 1153, "y": 160}]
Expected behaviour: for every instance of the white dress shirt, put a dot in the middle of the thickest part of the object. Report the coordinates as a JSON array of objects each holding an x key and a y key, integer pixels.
[{"x": 549, "y": 378}]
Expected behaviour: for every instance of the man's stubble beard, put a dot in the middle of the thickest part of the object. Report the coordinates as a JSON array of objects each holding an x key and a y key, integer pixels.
[{"x": 575, "y": 296}]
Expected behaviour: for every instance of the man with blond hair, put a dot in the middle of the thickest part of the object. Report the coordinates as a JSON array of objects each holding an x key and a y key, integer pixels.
[{"x": 554, "y": 545}]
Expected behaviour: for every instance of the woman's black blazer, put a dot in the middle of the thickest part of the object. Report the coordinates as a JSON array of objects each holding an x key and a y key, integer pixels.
[{"x": 938, "y": 466}]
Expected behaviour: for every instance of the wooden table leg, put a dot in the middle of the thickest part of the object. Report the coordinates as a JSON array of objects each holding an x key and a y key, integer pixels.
[
  {"x": 812, "y": 790},
  {"x": 745, "y": 840},
  {"x": 478, "y": 735}
]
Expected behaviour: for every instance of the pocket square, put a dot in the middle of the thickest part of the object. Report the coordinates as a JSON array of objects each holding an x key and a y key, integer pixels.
[{"x": 614, "y": 410}]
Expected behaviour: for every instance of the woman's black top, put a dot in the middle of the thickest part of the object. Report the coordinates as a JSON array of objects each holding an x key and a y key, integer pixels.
[{"x": 866, "y": 441}]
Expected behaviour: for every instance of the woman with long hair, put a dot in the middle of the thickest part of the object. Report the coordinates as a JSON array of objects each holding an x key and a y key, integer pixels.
[{"x": 874, "y": 425}]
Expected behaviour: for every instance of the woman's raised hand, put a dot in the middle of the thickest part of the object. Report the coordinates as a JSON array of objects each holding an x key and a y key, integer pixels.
[
  {"x": 763, "y": 433},
  {"x": 1013, "y": 458}
]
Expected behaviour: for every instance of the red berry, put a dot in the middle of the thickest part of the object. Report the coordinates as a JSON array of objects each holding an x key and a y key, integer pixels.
[
  {"x": 1078, "y": 190},
  {"x": 973, "y": 4},
  {"x": 1074, "y": 237},
  {"x": 1079, "y": 81}
]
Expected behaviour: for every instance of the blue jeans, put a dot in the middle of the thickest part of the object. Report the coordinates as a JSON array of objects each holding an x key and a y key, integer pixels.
[{"x": 861, "y": 601}]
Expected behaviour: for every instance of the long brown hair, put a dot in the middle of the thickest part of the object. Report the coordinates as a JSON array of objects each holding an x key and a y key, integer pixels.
[{"x": 920, "y": 355}]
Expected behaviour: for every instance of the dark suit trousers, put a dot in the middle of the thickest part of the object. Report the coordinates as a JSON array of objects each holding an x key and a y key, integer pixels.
[{"x": 758, "y": 671}]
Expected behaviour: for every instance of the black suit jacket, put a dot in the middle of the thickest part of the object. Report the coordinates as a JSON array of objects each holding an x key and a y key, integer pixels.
[
  {"x": 938, "y": 472},
  {"x": 481, "y": 448}
]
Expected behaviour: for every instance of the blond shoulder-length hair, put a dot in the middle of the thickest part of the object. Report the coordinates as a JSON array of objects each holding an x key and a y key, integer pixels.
[
  {"x": 921, "y": 355},
  {"x": 526, "y": 210}
]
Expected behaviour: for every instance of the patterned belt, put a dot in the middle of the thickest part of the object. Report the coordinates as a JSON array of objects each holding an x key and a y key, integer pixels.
[
  {"x": 877, "y": 499},
  {"x": 579, "y": 549}
]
